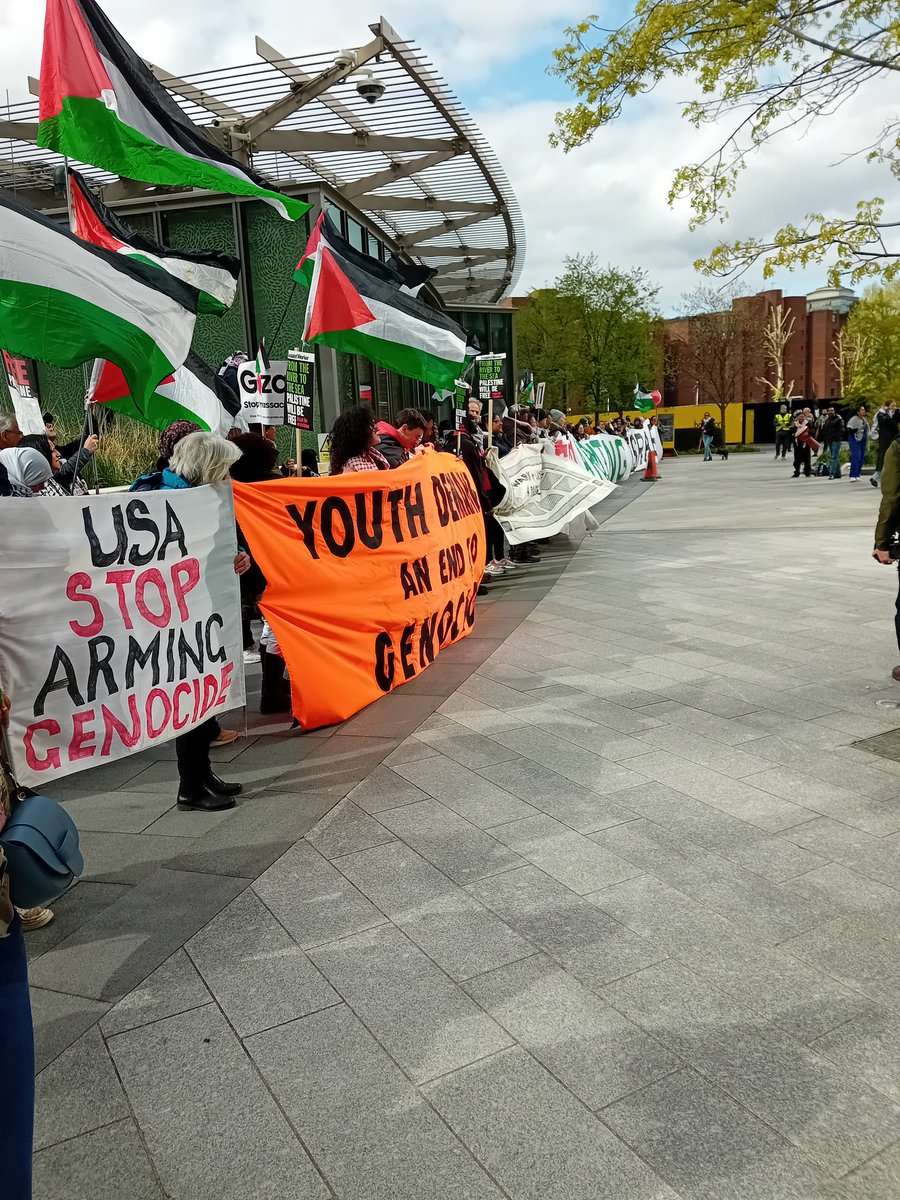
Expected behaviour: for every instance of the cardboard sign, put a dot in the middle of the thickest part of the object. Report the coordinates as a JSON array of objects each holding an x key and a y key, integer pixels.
[
  {"x": 300, "y": 381},
  {"x": 21, "y": 379},
  {"x": 121, "y": 624},
  {"x": 370, "y": 575},
  {"x": 491, "y": 377},
  {"x": 263, "y": 394}
]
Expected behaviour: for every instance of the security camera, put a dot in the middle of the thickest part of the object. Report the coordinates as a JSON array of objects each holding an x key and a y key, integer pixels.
[
  {"x": 369, "y": 88},
  {"x": 344, "y": 59}
]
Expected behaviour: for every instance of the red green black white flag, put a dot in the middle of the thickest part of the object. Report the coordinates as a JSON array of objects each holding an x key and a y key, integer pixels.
[
  {"x": 101, "y": 104},
  {"x": 213, "y": 276},
  {"x": 191, "y": 393}
]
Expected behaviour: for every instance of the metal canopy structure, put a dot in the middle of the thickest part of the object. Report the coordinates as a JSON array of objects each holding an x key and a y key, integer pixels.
[{"x": 413, "y": 162}]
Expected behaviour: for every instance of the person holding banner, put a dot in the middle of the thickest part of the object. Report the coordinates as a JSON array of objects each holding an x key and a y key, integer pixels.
[
  {"x": 197, "y": 459},
  {"x": 27, "y": 470},
  {"x": 397, "y": 444},
  {"x": 354, "y": 442}
]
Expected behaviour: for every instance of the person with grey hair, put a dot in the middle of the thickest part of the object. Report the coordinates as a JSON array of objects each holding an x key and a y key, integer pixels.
[
  {"x": 10, "y": 433},
  {"x": 198, "y": 459}
]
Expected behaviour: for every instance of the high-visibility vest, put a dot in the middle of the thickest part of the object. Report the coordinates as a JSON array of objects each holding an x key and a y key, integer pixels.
[{"x": 782, "y": 422}]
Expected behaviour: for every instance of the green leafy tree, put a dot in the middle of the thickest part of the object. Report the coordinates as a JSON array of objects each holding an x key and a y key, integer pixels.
[
  {"x": 545, "y": 345},
  {"x": 718, "y": 342},
  {"x": 760, "y": 69},
  {"x": 872, "y": 335}
]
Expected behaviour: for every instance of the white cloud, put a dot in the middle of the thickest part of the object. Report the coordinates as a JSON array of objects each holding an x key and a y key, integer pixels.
[{"x": 609, "y": 197}]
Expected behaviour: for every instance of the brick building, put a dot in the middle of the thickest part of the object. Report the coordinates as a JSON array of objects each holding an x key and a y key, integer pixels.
[{"x": 810, "y": 371}]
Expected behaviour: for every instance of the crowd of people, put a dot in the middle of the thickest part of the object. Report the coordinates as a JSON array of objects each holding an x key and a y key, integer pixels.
[{"x": 817, "y": 439}]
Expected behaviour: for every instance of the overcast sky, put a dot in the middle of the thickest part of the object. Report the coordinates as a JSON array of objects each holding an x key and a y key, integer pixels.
[{"x": 609, "y": 197}]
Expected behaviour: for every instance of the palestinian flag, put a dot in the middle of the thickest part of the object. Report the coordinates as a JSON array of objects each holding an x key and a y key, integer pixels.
[
  {"x": 192, "y": 393},
  {"x": 63, "y": 301},
  {"x": 643, "y": 401},
  {"x": 100, "y": 104},
  {"x": 358, "y": 305},
  {"x": 213, "y": 276}
]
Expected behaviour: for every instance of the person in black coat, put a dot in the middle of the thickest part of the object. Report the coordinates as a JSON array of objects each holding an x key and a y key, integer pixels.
[{"x": 886, "y": 430}]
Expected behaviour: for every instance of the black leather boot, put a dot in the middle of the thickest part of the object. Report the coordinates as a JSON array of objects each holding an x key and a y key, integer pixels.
[
  {"x": 214, "y": 784},
  {"x": 199, "y": 796}
]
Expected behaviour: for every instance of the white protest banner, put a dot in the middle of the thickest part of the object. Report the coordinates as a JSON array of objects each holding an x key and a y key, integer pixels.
[
  {"x": 605, "y": 456},
  {"x": 300, "y": 382},
  {"x": 121, "y": 624},
  {"x": 641, "y": 443},
  {"x": 263, "y": 392},
  {"x": 21, "y": 379},
  {"x": 540, "y": 503}
]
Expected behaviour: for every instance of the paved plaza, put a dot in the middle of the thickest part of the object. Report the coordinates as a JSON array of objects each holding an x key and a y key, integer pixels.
[{"x": 603, "y": 906}]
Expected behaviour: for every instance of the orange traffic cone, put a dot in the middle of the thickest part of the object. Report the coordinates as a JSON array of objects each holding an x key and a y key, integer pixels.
[{"x": 652, "y": 471}]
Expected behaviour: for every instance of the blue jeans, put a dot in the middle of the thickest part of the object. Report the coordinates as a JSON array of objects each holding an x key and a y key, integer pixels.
[
  {"x": 834, "y": 467},
  {"x": 707, "y": 447},
  {"x": 16, "y": 1068},
  {"x": 857, "y": 456}
]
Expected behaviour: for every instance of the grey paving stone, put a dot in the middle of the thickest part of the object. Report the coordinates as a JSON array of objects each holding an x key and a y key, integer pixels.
[
  {"x": 846, "y": 890},
  {"x": 260, "y": 830},
  {"x": 105, "y": 1165},
  {"x": 117, "y": 812},
  {"x": 126, "y": 858},
  {"x": 608, "y": 714},
  {"x": 853, "y": 953},
  {"x": 175, "y": 823},
  {"x": 59, "y": 1020},
  {"x": 700, "y": 749},
  {"x": 763, "y": 696},
  {"x": 107, "y": 778},
  {"x": 313, "y": 901},
  {"x": 708, "y": 1147},
  {"x": 462, "y": 936},
  {"x": 872, "y": 857},
  {"x": 399, "y": 713},
  {"x": 344, "y": 830},
  {"x": 764, "y": 910},
  {"x": 174, "y": 987},
  {"x": 258, "y": 975},
  {"x": 462, "y": 745},
  {"x": 576, "y": 861},
  {"x": 453, "y": 845},
  {"x": 117, "y": 949},
  {"x": 572, "y": 762},
  {"x": 878, "y": 1179},
  {"x": 867, "y": 1048},
  {"x": 383, "y": 788},
  {"x": 587, "y": 1045},
  {"x": 70, "y": 912},
  {"x": 534, "y": 1136},
  {"x": 696, "y": 697},
  {"x": 478, "y": 801},
  {"x": 736, "y": 797},
  {"x": 409, "y": 750},
  {"x": 77, "y": 1092},
  {"x": 179, "y": 1068},
  {"x": 364, "y": 1123},
  {"x": 573, "y": 932},
  {"x": 582, "y": 731},
  {"x": 773, "y": 857},
  {"x": 853, "y": 770},
  {"x": 872, "y": 816},
  {"x": 730, "y": 731},
  {"x": 334, "y": 765},
  {"x": 423, "y": 1019},
  {"x": 475, "y": 715},
  {"x": 666, "y": 916},
  {"x": 576, "y": 806}
]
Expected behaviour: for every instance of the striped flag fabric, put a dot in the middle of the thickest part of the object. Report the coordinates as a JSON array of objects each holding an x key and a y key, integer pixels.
[
  {"x": 212, "y": 275},
  {"x": 359, "y": 305},
  {"x": 64, "y": 302},
  {"x": 191, "y": 393},
  {"x": 643, "y": 401},
  {"x": 101, "y": 104}
]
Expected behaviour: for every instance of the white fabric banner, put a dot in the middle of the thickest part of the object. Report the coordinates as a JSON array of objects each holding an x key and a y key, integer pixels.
[
  {"x": 120, "y": 619},
  {"x": 544, "y": 492},
  {"x": 605, "y": 456},
  {"x": 641, "y": 443}
]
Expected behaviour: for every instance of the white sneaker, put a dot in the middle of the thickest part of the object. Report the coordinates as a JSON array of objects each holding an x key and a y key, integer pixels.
[
  {"x": 251, "y": 655},
  {"x": 507, "y": 564},
  {"x": 493, "y": 568}
]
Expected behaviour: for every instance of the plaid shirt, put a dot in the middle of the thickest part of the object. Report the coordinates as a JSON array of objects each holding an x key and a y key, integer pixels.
[{"x": 370, "y": 461}]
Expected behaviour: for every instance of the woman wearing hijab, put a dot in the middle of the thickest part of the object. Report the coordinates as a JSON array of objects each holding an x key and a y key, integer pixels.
[{"x": 27, "y": 470}]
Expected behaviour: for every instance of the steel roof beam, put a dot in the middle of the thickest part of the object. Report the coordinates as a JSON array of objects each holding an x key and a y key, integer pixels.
[
  {"x": 424, "y": 204},
  {"x": 22, "y": 131},
  {"x": 403, "y": 170},
  {"x": 308, "y": 142},
  {"x": 450, "y": 225},
  {"x": 465, "y": 252}
]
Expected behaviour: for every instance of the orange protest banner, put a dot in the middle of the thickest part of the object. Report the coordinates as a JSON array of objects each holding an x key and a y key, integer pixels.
[{"x": 370, "y": 576}]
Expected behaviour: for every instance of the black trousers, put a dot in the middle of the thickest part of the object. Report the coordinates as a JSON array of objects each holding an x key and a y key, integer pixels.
[
  {"x": 897, "y": 615},
  {"x": 495, "y": 540},
  {"x": 782, "y": 444},
  {"x": 192, "y": 751},
  {"x": 802, "y": 459}
]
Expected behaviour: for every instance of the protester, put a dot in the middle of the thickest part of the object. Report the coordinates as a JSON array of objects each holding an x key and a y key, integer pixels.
[
  {"x": 258, "y": 460},
  {"x": 782, "y": 431},
  {"x": 858, "y": 437},
  {"x": 833, "y": 439},
  {"x": 355, "y": 442},
  {"x": 9, "y": 431},
  {"x": 309, "y": 464},
  {"x": 430, "y": 436},
  {"x": 16, "y": 1034},
  {"x": 200, "y": 458},
  {"x": 169, "y": 439},
  {"x": 887, "y": 527},
  {"x": 801, "y": 427},
  {"x": 461, "y": 442},
  {"x": 396, "y": 443},
  {"x": 498, "y": 436},
  {"x": 885, "y": 431},
  {"x": 706, "y": 436},
  {"x": 27, "y": 470}
]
